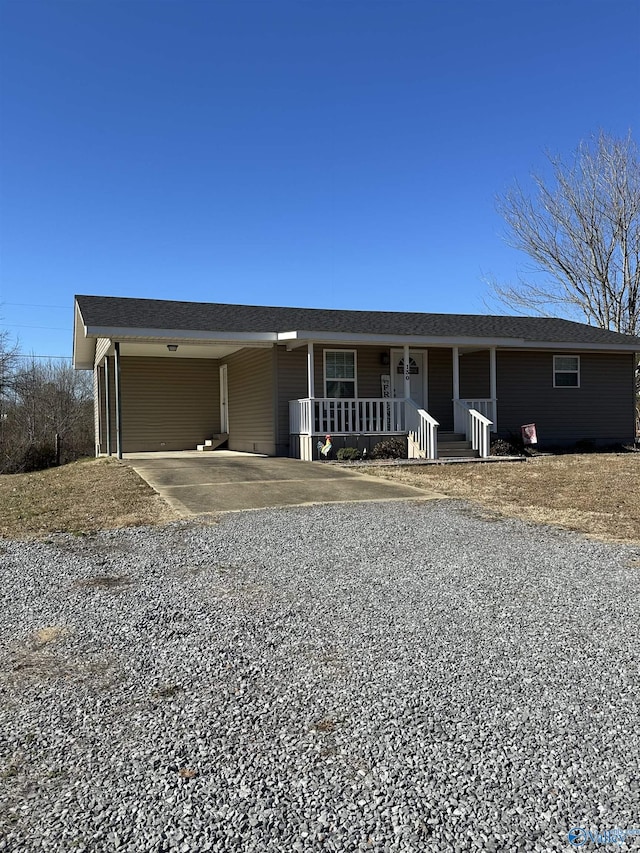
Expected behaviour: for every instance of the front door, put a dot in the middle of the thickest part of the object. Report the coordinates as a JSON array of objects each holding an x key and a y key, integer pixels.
[
  {"x": 418, "y": 367},
  {"x": 224, "y": 399}
]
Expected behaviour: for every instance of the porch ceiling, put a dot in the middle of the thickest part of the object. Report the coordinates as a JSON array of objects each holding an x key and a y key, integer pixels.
[
  {"x": 154, "y": 349},
  {"x": 185, "y": 349}
]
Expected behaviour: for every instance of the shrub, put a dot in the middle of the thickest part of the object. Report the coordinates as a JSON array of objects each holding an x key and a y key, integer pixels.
[
  {"x": 502, "y": 447},
  {"x": 37, "y": 457},
  {"x": 390, "y": 448},
  {"x": 349, "y": 454}
]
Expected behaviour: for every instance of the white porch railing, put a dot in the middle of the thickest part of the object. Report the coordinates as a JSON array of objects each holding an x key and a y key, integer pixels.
[
  {"x": 487, "y": 406},
  {"x": 363, "y": 415},
  {"x": 422, "y": 432},
  {"x": 475, "y": 425}
]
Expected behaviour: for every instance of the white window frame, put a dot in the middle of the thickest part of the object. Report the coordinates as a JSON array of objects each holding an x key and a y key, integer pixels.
[
  {"x": 575, "y": 373},
  {"x": 333, "y": 379}
]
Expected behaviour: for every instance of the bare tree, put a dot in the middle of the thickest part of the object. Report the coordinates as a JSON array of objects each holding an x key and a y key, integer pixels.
[
  {"x": 9, "y": 354},
  {"x": 582, "y": 233},
  {"x": 45, "y": 399}
]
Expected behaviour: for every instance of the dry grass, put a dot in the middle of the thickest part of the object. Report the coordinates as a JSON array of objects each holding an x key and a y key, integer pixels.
[
  {"x": 597, "y": 494},
  {"x": 95, "y": 494}
]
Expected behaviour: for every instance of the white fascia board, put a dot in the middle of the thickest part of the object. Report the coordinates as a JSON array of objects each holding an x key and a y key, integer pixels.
[
  {"x": 83, "y": 349},
  {"x": 302, "y": 337},
  {"x": 562, "y": 345},
  {"x": 180, "y": 334},
  {"x": 391, "y": 340}
]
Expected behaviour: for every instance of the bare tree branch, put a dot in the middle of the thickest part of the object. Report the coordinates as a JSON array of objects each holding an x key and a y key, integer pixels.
[{"x": 582, "y": 233}]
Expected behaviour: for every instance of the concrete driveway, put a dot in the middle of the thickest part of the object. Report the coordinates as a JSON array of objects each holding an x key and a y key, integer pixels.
[{"x": 225, "y": 481}]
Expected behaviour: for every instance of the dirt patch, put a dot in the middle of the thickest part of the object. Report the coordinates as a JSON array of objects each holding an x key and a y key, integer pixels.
[
  {"x": 82, "y": 497},
  {"x": 49, "y": 635},
  {"x": 595, "y": 493},
  {"x": 109, "y": 582}
]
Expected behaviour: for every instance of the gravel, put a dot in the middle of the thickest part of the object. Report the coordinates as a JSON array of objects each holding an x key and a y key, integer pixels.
[{"x": 400, "y": 676}]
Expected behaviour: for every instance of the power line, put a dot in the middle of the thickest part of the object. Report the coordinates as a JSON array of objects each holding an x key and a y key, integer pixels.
[
  {"x": 35, "y": 305},
  {"x": 67, "y": 357},
  {"x": 49, "y": 328}
]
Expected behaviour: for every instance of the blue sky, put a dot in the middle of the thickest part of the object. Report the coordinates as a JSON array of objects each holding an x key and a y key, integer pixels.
[{"x": 330, "y": 153}]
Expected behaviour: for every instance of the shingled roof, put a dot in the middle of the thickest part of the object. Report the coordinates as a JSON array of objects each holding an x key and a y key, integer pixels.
[{"x": 113, "y": 312}]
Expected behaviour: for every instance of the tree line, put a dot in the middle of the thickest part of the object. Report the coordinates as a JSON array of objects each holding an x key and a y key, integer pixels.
[{"x": 46, "y": 411}]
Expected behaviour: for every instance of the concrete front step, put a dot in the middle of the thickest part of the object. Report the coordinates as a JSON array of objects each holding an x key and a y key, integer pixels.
[{"x": 214, "y": 442}]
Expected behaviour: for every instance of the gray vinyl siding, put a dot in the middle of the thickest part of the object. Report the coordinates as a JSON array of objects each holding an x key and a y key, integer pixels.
[
  {"x": 475, "y": 381},
  {"x": 440, "y": 367},
  {"x": 167, "y": 404},
  {"x": 251, "y": 384},
  {"x": 291, "y": 385},
  {"x": 601, "y": 410}
]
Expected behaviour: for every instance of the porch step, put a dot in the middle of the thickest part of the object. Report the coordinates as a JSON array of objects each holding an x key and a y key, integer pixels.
[
  {"x": 457, "y": 453},
  {"x": 452, "y": 445},
  {"x": 214, "y": 442}
]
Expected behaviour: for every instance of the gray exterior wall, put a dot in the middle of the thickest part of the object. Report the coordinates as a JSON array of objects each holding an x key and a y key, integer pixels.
[
  {"x": 601, "y": 410},
  {"x": 441, "y": 387},
  {"x": 167, "y": 404},
  {"x": 475, "y": 380},
  {"x": 291, "y": 384},
  {"x": 252, "y": 384}
]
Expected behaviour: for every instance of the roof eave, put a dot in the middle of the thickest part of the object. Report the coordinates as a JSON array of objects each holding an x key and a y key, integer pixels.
[
  {"x": 124, "y": 333},
  {"x": 302, "y": 336}
]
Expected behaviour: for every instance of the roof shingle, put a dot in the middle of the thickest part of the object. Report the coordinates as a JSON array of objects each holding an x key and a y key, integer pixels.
[{"x": 124, "y": 312}]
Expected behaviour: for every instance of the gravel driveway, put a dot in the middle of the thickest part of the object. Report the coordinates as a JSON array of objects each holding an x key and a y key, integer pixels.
[{"x": 373, "y": 677}]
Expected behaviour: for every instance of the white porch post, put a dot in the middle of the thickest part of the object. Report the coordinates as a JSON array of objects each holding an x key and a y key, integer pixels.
[
  {"x": 493, "y": 385},
  {"x": 310, "y": 371},
  {"x": 407, "y": 373}
]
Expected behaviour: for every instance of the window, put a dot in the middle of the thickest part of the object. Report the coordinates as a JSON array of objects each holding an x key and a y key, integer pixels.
[
  {"x": 566, "y": 371},
  {"x": 339, "y": 373}
]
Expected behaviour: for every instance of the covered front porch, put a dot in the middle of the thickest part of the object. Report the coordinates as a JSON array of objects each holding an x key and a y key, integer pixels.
[{"x": 405, "y": 378}]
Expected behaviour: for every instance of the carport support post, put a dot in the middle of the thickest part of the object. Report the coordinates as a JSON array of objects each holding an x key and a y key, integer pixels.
[
  {"x": 118, "y": 402},
  {"x": 107, "y": 404}
]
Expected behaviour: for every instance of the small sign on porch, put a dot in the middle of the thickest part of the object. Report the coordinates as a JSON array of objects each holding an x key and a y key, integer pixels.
[{"x": 529, "y": 434}]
